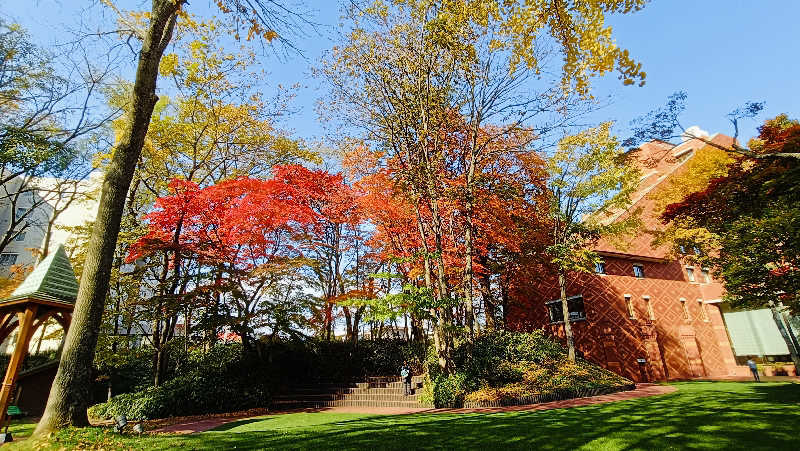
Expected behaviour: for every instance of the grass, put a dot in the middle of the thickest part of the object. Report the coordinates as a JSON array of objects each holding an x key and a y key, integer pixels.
[{"x": 701, "y": 415}]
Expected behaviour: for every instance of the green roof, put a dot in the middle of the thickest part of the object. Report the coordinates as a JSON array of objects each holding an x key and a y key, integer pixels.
[{"x": 52, "y": 278}]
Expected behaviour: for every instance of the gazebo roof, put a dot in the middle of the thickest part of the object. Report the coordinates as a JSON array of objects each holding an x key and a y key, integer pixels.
[{"x": 53, "y": 280}]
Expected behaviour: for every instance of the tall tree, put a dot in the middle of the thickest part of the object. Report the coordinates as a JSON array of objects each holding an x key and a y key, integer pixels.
[
  {"x": 49, "y": 128},
  {"x": 215, "y": 125},
  {"x": 590, "y": 181},
  {"x": 397, "y": 79},
  {"x": 69, "y": 395}
]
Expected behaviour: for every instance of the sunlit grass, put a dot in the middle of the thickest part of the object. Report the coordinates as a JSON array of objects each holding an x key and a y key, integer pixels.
[{"x": 701, "y": 415}]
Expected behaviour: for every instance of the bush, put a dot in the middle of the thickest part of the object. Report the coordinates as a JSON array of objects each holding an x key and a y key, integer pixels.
[
  {"x": 504, "y": 366},
  {"x": 219, "y": 380}
]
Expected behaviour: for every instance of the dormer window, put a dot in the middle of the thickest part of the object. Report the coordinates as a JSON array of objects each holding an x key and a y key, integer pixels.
[{"x": 638, "y": 271}]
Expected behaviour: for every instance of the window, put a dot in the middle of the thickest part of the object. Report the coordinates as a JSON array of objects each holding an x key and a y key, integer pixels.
[
  {"x": 690, "y": 273},
  {"x": 706, "y": 275},
  {"x": 21, "y": 212},
  {"x": 650, "y": 313},
  {"x": 629, "y": 305},
  {"x": 8, "y": 259},
  {"x": 600, "y": 267},
  {"x": 685, "y": 309},
  {"x": 20, "y": 236},
  {"x": 638, "y": 271},
  {"x": 697, "y": 251},
  {"x": 576, "y": 310},
  {"x": 682, "y": 249},
  {"x": 703, "y": 312}
]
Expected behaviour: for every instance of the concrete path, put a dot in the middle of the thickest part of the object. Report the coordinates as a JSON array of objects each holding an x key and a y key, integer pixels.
[{"x": 642, "y": 390}]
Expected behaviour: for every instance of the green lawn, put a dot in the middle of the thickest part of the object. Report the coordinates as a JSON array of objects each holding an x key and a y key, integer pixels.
[{"x": 701, "y": 415}]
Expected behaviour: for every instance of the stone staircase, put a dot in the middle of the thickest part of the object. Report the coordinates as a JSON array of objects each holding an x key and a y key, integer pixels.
[{"x": 374, "y": 392}]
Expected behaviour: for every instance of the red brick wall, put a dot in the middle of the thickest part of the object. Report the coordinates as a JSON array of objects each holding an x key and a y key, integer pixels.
[{"x": 675, "y": 348}]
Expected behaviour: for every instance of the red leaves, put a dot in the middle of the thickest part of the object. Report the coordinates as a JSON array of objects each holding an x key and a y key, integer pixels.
[{"x": 242, "y": 222}]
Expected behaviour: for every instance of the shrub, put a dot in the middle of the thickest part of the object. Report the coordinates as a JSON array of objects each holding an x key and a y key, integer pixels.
[
  {"x": 503, "y": 366},
  {"x": 219, "y": 380}
]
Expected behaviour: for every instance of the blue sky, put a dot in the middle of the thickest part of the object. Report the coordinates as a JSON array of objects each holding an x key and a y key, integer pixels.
[{"x": 721, "y": 52}]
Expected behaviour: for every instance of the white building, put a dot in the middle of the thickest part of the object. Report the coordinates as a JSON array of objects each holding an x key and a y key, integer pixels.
[{"x": 47, "y": 206}]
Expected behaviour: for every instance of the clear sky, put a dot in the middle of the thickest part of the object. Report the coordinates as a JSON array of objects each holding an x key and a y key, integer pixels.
[{"x": 721, "y": 52}]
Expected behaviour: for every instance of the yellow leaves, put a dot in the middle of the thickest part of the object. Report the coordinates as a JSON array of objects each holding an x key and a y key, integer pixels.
[
  {"x": 168, "y": 65},
  {"x": 269, "y": 35}
]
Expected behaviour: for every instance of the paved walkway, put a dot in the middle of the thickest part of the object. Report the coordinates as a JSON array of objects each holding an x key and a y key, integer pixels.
[
  {"x": 642, "y": 390},
  {"x": 748, "y": 378}
]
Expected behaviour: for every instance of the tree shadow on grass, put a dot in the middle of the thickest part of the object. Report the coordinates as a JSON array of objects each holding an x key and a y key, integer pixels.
[{"x": 698, "y": 416}]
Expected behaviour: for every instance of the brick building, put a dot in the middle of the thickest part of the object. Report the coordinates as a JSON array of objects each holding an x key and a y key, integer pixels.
[{"x": 642, "y": 314}]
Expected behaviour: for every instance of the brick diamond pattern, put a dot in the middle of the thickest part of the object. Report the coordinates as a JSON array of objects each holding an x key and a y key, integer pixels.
[{"x": 674, "y": 347}]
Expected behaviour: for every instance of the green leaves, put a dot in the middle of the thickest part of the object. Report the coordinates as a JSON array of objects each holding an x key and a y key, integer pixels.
[{"x": 591, "y": 183}]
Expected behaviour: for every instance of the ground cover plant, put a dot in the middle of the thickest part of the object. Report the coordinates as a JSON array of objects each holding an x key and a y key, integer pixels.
[{"x": 700, "y": 415}]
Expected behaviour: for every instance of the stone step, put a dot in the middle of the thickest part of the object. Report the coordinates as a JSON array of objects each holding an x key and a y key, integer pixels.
[
  {"x": 395, "y": 390},
  {"x": 386, "y": 384},
  {"x": 346, "y": 403},
  {"x": 383, "y": 390},
  {"x": 388, "y": 379},
  {"x": 353, "y": 397}
]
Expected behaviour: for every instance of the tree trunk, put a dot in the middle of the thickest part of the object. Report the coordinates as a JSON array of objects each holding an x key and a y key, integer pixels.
[
  {"x": 70, "y": 394},
  {"x": 504, "y": 300},
  {"x": 562, "y": 283},
  {"x": 489, "y": 307}
]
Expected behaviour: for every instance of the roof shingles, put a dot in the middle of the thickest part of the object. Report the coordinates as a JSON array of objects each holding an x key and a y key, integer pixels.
[{"x": 53, "y": 278}]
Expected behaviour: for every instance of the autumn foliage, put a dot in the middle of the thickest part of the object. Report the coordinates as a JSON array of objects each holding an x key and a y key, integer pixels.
[
  {"x": 754, "y": 216},
  {"x": 242, "y": 222}
]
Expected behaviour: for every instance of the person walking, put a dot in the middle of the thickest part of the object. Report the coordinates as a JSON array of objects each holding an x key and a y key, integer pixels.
[
  {"x": 405, "y": 373},
  {"x": 754, "y": 369}
]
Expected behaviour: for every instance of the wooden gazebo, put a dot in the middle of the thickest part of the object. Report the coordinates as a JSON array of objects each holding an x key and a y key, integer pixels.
[{"x": 48, "y": 292}]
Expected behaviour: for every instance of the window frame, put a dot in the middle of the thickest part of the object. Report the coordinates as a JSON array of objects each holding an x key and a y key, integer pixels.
[
  {"x": 549, "y": 305},
  {"x": 703, "y": 312},
  {"x": 3, "y": 264},
  {"x": 685, "y": 307},
  {"x": 690, "y": 276},
  {"x": 706, "y": 275},
  {"x": 601, "y": 265},
  {"x": 651, "y": 314},
  {"x": 629, "y": 306}
]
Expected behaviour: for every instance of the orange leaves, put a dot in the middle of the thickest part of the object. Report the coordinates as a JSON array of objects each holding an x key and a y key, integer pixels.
[{"x": 242, "y": 222}]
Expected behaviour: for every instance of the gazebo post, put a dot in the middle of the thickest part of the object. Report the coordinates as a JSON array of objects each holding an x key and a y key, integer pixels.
[
  {"x": 26, "y": 319},
  {"x": 48, "y": 291}
]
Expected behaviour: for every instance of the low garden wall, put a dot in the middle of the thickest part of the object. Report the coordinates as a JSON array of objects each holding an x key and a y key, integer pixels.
[{"x": 555, "y": 395}]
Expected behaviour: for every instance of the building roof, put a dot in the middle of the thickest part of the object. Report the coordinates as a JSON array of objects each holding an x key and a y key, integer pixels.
[
  {"x": 53, "y": 279},
  {"x": 658, "y": 161}
]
